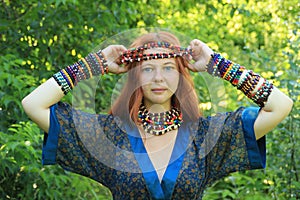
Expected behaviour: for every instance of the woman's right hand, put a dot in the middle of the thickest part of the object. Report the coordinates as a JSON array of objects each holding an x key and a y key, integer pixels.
[{"x": 112, "y": 54}]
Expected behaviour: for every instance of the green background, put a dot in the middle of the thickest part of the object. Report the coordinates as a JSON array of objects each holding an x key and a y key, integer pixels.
[{"x": 38, "y": 37}]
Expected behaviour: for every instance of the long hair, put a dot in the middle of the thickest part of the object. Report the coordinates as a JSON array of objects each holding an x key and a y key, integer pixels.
[{"x": 127, "y": 104}]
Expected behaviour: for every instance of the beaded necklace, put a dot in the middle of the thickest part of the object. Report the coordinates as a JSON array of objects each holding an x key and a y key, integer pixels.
[{"x": 159, "y": 123}]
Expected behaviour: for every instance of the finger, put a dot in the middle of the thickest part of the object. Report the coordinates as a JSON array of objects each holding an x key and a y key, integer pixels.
[
  {"x": 195, "y": 43},
  {"x": 123, "y": 48},
  {"x": 191, "y": 67},
  {"x": 196, "y": 52},
  {"x": 123, "y": 69},
  {"x": 189, "y": 56},
  {"x": 120, "y": 49}
]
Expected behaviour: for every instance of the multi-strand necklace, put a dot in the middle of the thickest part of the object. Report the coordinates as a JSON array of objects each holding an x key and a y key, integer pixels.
[{"x": 159, "y": 123}]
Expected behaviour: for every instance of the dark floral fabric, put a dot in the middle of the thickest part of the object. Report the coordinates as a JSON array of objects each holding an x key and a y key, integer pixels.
[{"x": 97, "y": 146}]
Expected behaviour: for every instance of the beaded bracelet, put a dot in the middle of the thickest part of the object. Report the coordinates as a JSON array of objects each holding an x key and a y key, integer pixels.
[
  {"x": 92, "y": 65},
  {"x": 245, "y": 80}
]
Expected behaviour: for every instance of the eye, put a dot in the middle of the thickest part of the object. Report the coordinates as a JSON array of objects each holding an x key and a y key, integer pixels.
[
  {"x": 169, "y": 68},
  {"x": 147, "y": 69}
]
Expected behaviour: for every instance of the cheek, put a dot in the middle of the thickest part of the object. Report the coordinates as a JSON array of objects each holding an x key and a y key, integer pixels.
[
  {"x": 145, "y": 88},
  {"x": 173, "y": 87},
  {"x": 144, "y": 80},
  {"x": 173, "y": 82}
]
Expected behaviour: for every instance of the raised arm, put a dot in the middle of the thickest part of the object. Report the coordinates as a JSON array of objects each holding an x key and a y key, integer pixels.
[
  {"x": 37, "y": 104},
  {"x": 275, "y": 105},
  {"x": 275, "y": 110}
]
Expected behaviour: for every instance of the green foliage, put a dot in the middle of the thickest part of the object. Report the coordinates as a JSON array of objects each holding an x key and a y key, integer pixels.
[
  {"x": 14, "y": 81},
  {"x": 37, "y": 38},
  {"x": 23, "y": 177}
]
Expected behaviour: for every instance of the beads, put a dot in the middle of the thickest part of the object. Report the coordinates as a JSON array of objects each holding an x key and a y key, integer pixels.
[
  {"x": 62, "y": 82},
  {"x": 137, "y": 55},
  {"x": 262, "y": 94},
  {"x": 92, "y": 65},
  {"x": 251, "y": 84},
  {"x": 159, "y": 123}
]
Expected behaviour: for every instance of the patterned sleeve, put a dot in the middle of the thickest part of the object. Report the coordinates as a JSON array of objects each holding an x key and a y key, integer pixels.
[
  {"x": 71, "y": 141},
  {"x": 231, "y": 144}
]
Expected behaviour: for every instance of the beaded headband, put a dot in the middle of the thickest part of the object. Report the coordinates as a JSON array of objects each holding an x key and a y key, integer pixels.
[{"x": 137, "y": 55}]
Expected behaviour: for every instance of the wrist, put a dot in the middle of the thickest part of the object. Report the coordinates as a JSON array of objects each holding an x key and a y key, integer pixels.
[
  {"x": 251, "y": 84},
  {"x": 93, "y": 64}
]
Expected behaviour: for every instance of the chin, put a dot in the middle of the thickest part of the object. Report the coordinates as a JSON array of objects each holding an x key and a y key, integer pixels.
[{"x": 159, "y": 102}]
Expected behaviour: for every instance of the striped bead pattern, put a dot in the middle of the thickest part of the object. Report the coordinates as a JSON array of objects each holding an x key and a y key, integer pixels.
[
  {"x": 251, "y": 84},
  {"x": 92, "y": 65}
]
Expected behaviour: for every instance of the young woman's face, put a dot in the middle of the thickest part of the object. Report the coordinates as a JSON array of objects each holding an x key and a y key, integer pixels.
[{"x": 159, "y": 79}]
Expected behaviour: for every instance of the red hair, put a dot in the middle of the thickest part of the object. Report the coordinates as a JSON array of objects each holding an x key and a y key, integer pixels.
[{"x": 127, "y": 104}]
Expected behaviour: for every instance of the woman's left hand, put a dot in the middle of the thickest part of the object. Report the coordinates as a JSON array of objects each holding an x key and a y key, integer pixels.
[{"x": 201, "y": 55}]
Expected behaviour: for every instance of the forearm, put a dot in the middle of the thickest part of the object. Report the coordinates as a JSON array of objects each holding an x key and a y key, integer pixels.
[
  {"x": 275, "y": 105},
  {"x": 37, "y": 104}
]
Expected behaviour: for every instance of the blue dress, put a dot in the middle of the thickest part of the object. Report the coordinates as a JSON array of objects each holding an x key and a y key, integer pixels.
[{"x": 103, "y": 148}]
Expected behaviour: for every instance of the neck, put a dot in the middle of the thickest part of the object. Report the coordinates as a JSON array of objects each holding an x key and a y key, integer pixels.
[{"x": 157, "y": 108}]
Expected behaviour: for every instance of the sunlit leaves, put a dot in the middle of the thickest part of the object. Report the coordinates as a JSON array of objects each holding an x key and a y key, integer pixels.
[{"x": 37, "y": 38}]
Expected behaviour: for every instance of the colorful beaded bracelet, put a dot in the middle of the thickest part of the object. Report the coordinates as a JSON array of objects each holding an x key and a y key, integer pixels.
[
  {"x": 92, "y": 65},
  {"x": 245, "y": 80}
]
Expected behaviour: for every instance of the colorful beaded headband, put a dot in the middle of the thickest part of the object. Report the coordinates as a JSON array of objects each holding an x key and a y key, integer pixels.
[{"x": 137, "y": 55}]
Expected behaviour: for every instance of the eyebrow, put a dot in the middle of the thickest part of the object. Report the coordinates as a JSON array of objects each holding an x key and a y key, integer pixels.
[{"x": 166, "y": 63}]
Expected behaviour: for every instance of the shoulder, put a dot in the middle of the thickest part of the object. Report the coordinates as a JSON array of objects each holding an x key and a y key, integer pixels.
[
  {"x": 67, "y": 113},
  {"x": 214, "y": 125},
  {"x": 221, "y": 119}
]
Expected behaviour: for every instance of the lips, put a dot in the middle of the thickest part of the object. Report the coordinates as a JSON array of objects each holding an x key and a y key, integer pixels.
[{"x": 158, "y": 90}]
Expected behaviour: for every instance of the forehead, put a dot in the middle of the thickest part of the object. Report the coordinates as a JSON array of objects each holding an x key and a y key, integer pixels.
[{"x": 163, "y": 61}]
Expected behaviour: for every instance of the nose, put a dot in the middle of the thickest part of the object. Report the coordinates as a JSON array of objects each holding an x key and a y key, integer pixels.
[{"x": 158, "y": 76}]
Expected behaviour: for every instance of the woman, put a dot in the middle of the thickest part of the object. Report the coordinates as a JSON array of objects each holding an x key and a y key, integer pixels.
[{"x": 154, "y": 144}]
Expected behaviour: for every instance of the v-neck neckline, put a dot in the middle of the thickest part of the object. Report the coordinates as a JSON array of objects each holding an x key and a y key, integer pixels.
[{"x": 165, "y": 188}]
